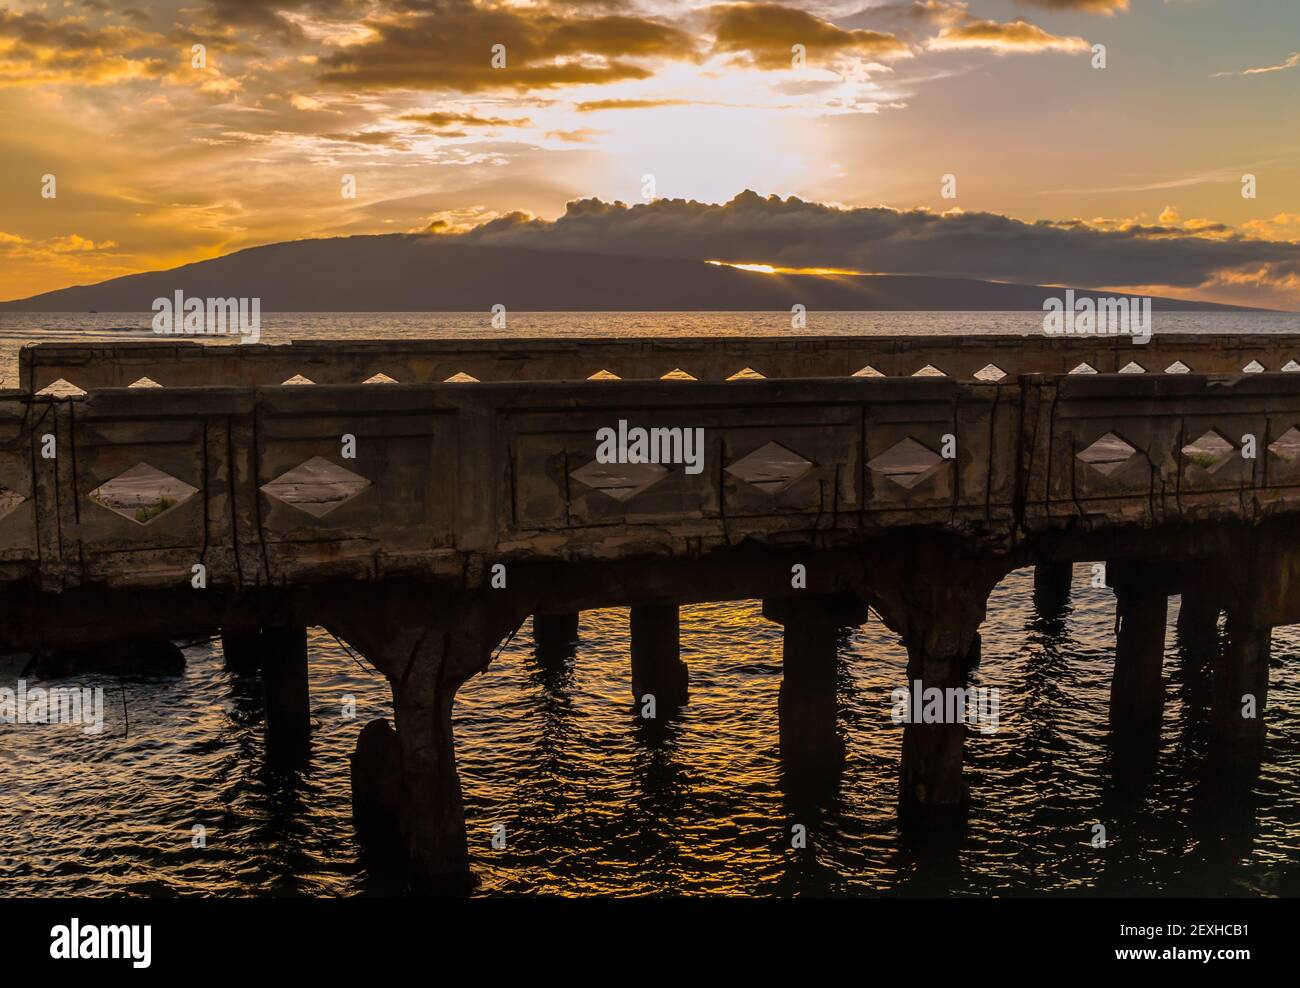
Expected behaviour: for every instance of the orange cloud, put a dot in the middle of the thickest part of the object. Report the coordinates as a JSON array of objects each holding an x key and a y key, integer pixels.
[
  {"x": 582, "y": 135},
  {"x": 445, "y": 119},
  {"x": 1014, "y": 36},
  {"x": 1290, "y": 63},
  {"x": 767, "y": 32},
  {"x": 13, "y": 245},
  {"x": 36, "y": 50},
  {"x": 453, "y": 50},
  {"x": 1107, "y": 7},
  {"x": 1283, "y": 226},
  {"x": 627, "y": 104}
]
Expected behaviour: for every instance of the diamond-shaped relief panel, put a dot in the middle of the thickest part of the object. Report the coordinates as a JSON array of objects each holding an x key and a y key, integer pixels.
[
  {"x": 604, "y": 375},
  {"x": 316, "y": 486},
  {"x": 990, "y": 372},
  {"x": 9, "y": 501},
  {"x": 1254, "y": 367},
  {"x": 746, "y": 374},
  {"x": 142, "y": 494},
  {"x": 1178, "y": 367},
  {"x": 1209, "y": 452},
  {"x": 380, "y": 378},
  {"x": 62, "y": 388},
  {"x": 1290, "y": 367},
  {"x": 867, "y": 371},
  {"x": 1132, "y": 367},
  {"x": 771, "y": 468},
  {"x": 460, "y": 377},
  {"x": 929, "y": 370},
  {"x": 145, "y": 382},
  {"x": 620, "y": 481},
  {"x": 906, "y": 463},
  {"x": 297, "y": 379},
  {"x": 677, "y": 374},
  {"x": 1084, "y": 369},
  {"x": 1287, "y": 445},
  {"x": 1107, "y": 454}
]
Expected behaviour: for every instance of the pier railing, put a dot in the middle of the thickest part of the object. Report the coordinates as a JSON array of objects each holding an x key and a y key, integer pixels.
[{"x": 185, "y": 363}]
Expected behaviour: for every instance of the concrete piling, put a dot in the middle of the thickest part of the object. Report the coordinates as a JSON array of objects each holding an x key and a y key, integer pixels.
[
  {"x": 376, "y": 775},
  {"x": 283, "y": 659},
  {"x": 555, "y": 632},
  {"x": 1052, "y": 586},
  {"x": 657, "y": 668},
  {"x": 433, "y": 812},
  {"x": 1137, "y": 692},
  {"x": 931, "y": 786},
  {"x": 1240, "y": 691},
  {"x": 241, "y": 650},
  {"x": 554, "y": 636},
  {"x": 935, "y": 595},
  {"x": 811, "y": 747},
  {"x": 426, "y": 645},
  {"x": 1198, "y": 618}
]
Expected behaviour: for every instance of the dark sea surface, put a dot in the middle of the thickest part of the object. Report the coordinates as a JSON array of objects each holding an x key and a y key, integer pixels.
[{"x": 593, "y": 804}]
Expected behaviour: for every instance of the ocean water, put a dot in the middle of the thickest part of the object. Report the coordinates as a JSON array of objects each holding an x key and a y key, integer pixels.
[{"x": 592, "y": 804}]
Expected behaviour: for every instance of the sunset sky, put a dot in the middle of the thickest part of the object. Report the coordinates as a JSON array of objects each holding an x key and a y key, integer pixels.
[{"x": 1128, "y": 176}]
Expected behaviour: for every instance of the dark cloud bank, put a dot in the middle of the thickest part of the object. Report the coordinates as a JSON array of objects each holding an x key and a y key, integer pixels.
[{"x": 793, "y": 233}]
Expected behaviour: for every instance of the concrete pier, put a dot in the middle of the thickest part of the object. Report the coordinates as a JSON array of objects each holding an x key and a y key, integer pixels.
[
  {"x": 657, "y": 668},
  {"x": 175, "y": 512},
  {"x": 283, "y": 654},
  {"x": 1052, "y": 586}
]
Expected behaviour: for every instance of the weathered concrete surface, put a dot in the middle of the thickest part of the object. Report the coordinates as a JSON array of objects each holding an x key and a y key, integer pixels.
[{"x": 458, "y": 479}]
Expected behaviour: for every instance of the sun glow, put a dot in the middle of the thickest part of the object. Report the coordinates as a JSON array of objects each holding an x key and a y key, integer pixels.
[{"x": 773, "y": 269}]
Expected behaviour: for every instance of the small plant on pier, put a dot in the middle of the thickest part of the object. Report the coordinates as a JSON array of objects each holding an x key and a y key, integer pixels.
[{"x": 148, "y": 512}]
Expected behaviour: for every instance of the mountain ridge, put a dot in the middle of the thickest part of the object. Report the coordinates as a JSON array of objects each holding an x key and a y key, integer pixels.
[{"x": 422, "y": 273}]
